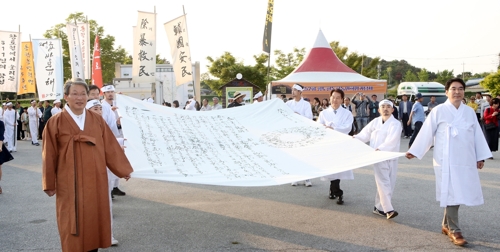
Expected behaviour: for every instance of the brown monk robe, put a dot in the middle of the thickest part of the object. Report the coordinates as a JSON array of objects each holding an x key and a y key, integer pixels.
[{"x": 74, "y": 166}]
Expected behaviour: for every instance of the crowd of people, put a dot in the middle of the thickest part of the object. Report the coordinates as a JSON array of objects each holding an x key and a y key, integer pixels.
[
  {"x": 462, "y": 134},
  {"x": 462, "y": 138}
]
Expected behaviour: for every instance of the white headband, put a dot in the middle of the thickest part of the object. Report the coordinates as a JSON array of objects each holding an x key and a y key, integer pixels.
[
  {"x": 108, "y": 88},
  {"x": 384, "y": 102},
  {"x": 92, "y": 103},
  {"x": 296, "y": 86},
  {"x": 259, "y": 94}
]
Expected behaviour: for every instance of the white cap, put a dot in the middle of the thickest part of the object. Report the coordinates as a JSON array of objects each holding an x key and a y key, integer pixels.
[
  {"x": 108, "y": 88},
  {"x": 9, "y": 104},
  {"x": 259, "y": 94},
  {"x": 93, "y": 103},
  {"x": 57, "y": 101},
  {"x": 298, "y": 86},
  {"x": 384, "y": 102}
]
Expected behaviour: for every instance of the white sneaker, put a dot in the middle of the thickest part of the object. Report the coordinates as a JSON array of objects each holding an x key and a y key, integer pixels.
[
  {"x": 295, "y": 184},
  {"x": 308, "y": 183},
  {"x": 114, "y": 242}
]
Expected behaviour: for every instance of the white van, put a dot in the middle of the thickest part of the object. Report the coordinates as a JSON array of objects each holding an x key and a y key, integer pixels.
[{"x": 427, "y": 89}]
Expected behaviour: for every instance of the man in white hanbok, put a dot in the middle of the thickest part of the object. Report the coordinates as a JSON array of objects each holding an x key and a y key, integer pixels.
[
  {"x": 258, "y": 97},
  {"x": 339, "y": 119},
  {"x": 384, "y": 134},
  {"x": 303, "y": 108},
  {"x": 10, "y": 117},
  {"x": 110, "y": 116},
  {"x": 57, "y": 107},
  {"x": 459, "y": 151},
  {"x": 34, "y": 113}
]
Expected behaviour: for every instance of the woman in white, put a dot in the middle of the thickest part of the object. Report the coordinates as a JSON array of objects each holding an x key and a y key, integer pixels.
[{"x": 337, "y": 118}]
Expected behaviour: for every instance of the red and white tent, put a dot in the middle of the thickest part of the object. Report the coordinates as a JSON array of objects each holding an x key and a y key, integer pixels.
[{"x": 321, "y": 71}]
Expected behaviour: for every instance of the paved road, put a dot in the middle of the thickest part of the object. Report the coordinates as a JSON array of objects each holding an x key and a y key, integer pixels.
[{"x": 163, "y": 216}]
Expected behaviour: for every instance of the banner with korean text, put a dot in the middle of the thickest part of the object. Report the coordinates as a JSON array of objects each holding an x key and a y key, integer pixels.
[
  {"x": 266, "y": 41},
  {"x": 84, "y": 36},
  {"x": 179, "y": 48},
  {"x": 96, "y": 64},
  {"x": 75, "y": 52},
  {"x": 27, "y": 79},
  {"x": 261, "y": 144},
  {"x": 48, "y": 68},
  {"x": 9, "y": 60},
  {"x": 144, "y": 58}
]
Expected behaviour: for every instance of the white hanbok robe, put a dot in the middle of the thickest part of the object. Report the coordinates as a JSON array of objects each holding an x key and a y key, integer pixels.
[
  {"x": 341, "y": 122},
  {"x": 109, "y": 116},
  {"x": 10, "y": 118},
  {"x": 385, "y": 137},
  {"x": 301, "y": 107},
  {"x": 459, "y": 144},
  {"x": 34, "y": 114},
  {"x": 55, "y": 110},
  {"x": 191, "y": 105}
]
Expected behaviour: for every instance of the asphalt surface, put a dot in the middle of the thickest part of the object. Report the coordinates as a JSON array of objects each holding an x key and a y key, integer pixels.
[{"x": 164, "y": 216}]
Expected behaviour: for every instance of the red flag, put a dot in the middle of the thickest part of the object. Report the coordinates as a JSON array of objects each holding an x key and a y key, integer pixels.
[{"x": 96, "y": 64}]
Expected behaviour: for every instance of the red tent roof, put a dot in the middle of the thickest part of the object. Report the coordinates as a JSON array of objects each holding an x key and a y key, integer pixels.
[{"x": 321, "y": 58}]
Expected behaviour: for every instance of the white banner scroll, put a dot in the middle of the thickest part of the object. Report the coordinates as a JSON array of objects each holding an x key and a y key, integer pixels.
[
  {"x": 255, "y": 145},
  {"x": 144, "y": 58},
  {"x": 48, "y": 68},
  {"x": 179, "y": 48}
]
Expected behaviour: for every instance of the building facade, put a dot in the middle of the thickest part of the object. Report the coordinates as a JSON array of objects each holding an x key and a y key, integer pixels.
[{"x": 163, "y": 90}]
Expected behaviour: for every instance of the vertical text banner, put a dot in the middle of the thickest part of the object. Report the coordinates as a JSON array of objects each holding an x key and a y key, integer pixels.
[
  {"x": 9, "y": 59},
  {"x": 179, "y": 48},
  {"x": 48, "y": 68},
  {"x": 144, "y": 58},
  {"x": 84, "y": 36},
  {"x": 96, "y": 64},
  {"x": 27, "y": 79},
  {"x": 266, "y": 42},
  {"x": 75, "y": 52}
]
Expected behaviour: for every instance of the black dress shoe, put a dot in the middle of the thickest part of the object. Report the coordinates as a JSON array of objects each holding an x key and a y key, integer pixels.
[
  {"x": 340, "y": 201},
  {"x": 118, "y": 192},
  {"x": 37, "y": 144}
]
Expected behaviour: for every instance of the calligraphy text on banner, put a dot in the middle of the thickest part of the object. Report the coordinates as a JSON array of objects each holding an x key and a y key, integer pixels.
[
  {"x": 75, "y": 51},
  {"x": 9, "y": 60},
  {"x": 27, "y": 78},
  {"x": 180, "y": 50},
  {"x": 253, "y": 145},
  {"x": 48, "y": 68},
  {"x": 266, "y": 41},
  {"x": 144, "y": 58}
]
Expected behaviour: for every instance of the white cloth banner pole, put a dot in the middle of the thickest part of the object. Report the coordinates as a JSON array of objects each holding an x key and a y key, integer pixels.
[
  {"x": 84, "y": 37},
  {"x": 48, "y": 68},
  {"x": 144, "y": 58},
  {"x": 180, "y": 50},
  {"x": 260, "y": 145},
  {"x": 9, "y": 59},
  {"x": 75, "y": 51}
]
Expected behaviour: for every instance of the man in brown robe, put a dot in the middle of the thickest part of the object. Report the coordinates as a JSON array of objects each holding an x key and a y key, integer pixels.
[{"x": 77, "y": 147}]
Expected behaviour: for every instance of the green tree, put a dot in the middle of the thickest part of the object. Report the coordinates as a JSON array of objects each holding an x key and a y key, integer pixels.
[
  {"x": 492, "y": 83},
  {"x": 109, "y": 54},
  {"x": 286, "y": 63},
  {"x": 362, "y": 64},
  {"x": 423, "y": 75},
  {"x": 225, "y": 68},
  {"x": 444, "y": 76},
  {"x": 410, "y": 76}
]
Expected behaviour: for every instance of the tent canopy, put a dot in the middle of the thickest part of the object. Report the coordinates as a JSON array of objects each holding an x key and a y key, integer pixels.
[{"x": 322, "y": 71}]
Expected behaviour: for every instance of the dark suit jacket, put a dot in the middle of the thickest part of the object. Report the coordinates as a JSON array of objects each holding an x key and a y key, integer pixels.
[
  {"x": 409, "y": 105},
  {"x": 47, "y": 113}
]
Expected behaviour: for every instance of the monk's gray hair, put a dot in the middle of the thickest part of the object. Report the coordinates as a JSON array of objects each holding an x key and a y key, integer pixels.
[{"x": 75, "y": 81}]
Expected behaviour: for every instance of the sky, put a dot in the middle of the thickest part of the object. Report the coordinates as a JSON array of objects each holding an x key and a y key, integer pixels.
[{"x": 455, "y": 35}]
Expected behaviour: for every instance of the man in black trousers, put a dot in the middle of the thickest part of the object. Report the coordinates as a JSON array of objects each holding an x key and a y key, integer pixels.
[{"x": 404, "y": 114}]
